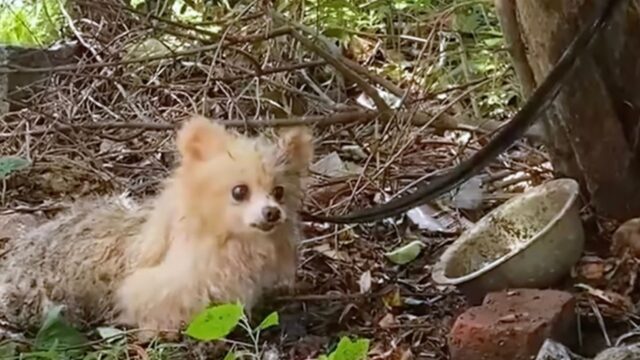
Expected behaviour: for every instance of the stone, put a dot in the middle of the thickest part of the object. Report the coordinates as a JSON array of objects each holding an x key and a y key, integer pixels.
[
  {"x": 17, "y": 86},
  {"x": 626, "y": 239}
]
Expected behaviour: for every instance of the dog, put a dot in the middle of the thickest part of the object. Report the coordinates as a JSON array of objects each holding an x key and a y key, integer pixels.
[{"x": 223, "y": 228}]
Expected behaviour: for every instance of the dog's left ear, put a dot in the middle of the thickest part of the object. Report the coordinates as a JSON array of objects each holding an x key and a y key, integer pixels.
[
  {"x": 200, "y": 138},
  {"x": 296, "y": 147}
]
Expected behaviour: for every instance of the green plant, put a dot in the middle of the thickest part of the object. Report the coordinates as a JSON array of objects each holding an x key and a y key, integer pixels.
[
  {"x": 349, "y": 350},
  {"x": 216, "y": 322},
  {"x": 30, "y": 22},
  {"x": 56, "y": 339},
  {"x": 11, "y": 164}
]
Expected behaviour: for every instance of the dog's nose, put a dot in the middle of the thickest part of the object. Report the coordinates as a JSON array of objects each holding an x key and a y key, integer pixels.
[{"x": 271, "y": 213}]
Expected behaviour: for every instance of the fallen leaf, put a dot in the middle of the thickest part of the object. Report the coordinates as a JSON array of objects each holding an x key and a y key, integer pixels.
[
  {"x": 610, "y": 303},
  {"x": 627, "y": 238},
  {"x": 110, "y": 334},
  {"x": 332, "y": 165},
  {"x": 390, "y": 99},
  {"x": 387, "y": 321},
  {"x": 328, "y": 251},
  {"x": 359, "y": 48},
  {"x": 592, "y": 271},
  {"x": 392, "y": 299},
  {"x": 422, "y": 216},
  {"x": 365, "y": 282},
  {"x": 406, "y": 253}
]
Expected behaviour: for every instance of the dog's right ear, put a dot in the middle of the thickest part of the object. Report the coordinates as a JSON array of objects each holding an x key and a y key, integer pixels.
[
  {"x": 296, "y": 147},
  {"x": 200, "y": 138}
]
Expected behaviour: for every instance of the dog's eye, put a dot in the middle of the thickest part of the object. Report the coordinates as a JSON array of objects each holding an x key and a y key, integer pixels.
[
  {"x": 240, "y": 192},
  {"x": 278, "y": 193}
]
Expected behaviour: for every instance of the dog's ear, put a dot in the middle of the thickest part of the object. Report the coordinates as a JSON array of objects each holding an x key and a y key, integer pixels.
[
  {"x": 296, "y": 147},
  {"x": 199, "y": 138}
]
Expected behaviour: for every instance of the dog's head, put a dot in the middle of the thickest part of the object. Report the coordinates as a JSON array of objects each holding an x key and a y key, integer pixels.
[{"x": 241, "y": 185}]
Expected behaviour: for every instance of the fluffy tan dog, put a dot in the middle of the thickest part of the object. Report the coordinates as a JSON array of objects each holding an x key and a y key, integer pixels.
[{"x": 224, "y": 228}]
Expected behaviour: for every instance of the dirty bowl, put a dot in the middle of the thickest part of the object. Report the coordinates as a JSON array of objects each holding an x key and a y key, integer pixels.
[{"x": 530, "y": 241}]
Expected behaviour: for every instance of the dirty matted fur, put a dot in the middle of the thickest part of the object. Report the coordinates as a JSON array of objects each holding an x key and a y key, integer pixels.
[{"x": 210, "y": 236}]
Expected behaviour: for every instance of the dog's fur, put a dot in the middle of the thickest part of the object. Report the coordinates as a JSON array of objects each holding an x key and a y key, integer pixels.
[{"x": 155, "y": 265}]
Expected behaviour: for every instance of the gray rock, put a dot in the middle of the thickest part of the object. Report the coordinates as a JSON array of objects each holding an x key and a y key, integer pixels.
[{"x": 17, "y": 82}]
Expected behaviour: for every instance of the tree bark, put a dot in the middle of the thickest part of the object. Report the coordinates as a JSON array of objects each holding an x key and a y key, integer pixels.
[{"x": 594, "y": 123}]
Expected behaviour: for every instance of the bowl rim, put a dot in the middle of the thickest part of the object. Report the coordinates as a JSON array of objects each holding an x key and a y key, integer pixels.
[{"x": 438, "y": 272}]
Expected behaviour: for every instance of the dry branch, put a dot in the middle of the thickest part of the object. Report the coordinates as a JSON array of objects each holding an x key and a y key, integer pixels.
[
  {"x": 317, "y": 120},
  {"x": 341, "y": 67}
]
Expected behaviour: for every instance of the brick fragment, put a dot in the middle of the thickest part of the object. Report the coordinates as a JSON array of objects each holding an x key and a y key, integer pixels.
[{"x": 513, "y": 324}]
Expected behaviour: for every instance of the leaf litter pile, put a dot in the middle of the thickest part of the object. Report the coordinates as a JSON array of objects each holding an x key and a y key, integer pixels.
[{"x": 385, "y": 116}]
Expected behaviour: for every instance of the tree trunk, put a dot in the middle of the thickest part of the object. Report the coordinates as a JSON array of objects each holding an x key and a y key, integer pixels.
[{"x": 594, "y": 123}]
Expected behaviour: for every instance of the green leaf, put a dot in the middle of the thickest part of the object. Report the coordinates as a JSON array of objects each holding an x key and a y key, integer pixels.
[
  {"x": 110, "y": 333},
  {"x": 406, "y": 253},
  {"x": 351, "y": 350},
  {"x": 55, "y": 333},
  {"x": 135, "y": 3},
  {"x": 30, "y": 23},
  {"x": 493, "y": 42},
  {"x": 10, "y": 164},
  {"x": 231, "y": 355},
  {"x": 215, "y": 322},
  {"x": 271, "y": 320},
  {"x": 335, "y": 32},
  {"x": 466, "y": 22}
]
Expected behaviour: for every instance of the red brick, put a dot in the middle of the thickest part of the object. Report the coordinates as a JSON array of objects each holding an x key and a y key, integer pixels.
[{"x": 512, "y": 325}]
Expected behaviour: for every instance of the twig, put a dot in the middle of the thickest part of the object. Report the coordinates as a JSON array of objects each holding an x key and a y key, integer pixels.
[
  {"x": 76, "y": 32},
  {"x": 225, "y": 79},
  {"x": 196, "y": 50},
  {"x": 390, "y": 86},
  {"x": 320, "y": 120},
  {"x": 599, "y": 318},
  {"x": 381, "y": 105},
  {"x": 192, "y": 27},
  {"x": 464, "y": 86},
  {"x": 325, "y": 297}
]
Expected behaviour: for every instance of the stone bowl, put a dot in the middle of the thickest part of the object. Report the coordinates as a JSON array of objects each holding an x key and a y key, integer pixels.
[{"x": 530, "y": 241}]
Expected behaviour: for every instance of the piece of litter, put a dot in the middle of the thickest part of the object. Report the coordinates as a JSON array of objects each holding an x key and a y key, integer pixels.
[{"x": 421, "y": 217}]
